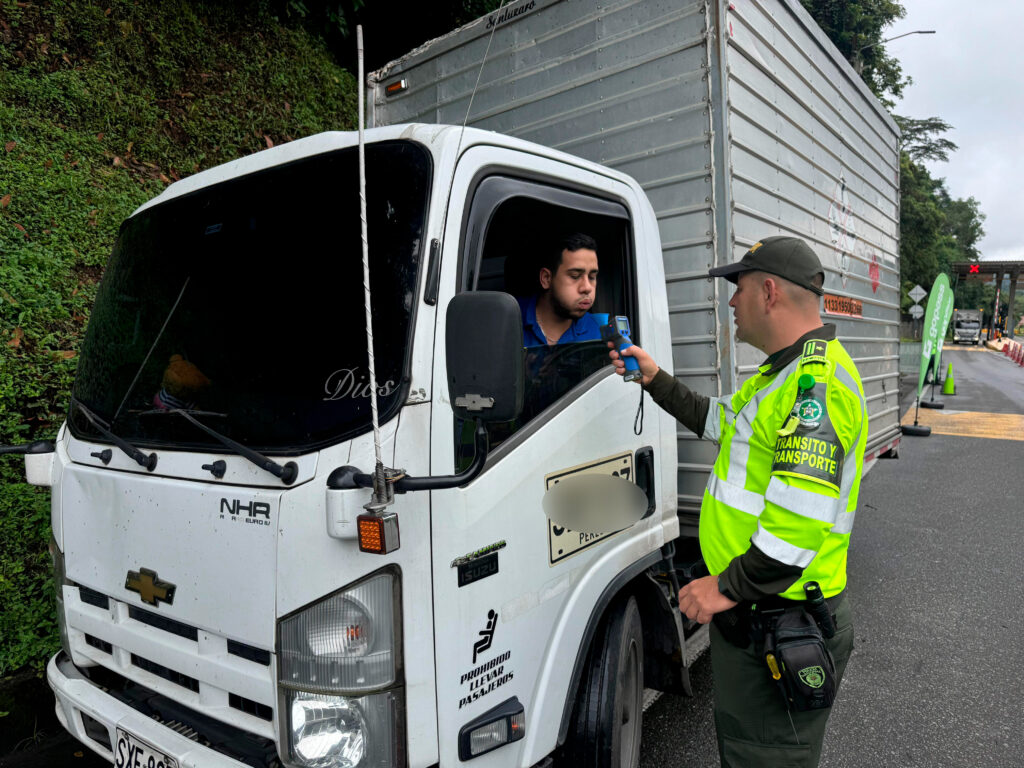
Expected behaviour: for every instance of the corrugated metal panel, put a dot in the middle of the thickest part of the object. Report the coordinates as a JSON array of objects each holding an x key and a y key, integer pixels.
[
  {"x": 624, "y": 84},
  {"x": 802, "y": 149},
  {"x": 812, "y": 154}
]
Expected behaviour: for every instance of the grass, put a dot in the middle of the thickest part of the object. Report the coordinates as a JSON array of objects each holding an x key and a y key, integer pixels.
[{"x": 102, "y": 105}]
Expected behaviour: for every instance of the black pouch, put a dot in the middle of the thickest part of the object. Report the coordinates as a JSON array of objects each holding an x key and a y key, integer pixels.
[
  {"x": 734, "y": 624},
  {"x": 804, "y": 661}
]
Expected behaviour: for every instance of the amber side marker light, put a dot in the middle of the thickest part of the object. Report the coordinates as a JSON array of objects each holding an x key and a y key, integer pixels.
[
  {"x": 378, "y": 533},
  {"x": 393, "y": 89}
]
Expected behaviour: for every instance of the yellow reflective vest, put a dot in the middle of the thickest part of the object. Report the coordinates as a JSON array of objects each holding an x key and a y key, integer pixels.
[{"x": 789, "y": 466}]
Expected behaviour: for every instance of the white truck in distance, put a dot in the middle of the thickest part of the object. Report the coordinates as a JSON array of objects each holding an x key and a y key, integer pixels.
[
  {"x": 967, "y": 326},
  {"x": 224, "y": 600}
]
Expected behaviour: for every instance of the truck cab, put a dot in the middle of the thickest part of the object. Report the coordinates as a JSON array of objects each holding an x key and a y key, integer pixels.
[
  {"x": 218, "y": 605},
  {"x": 967, "y": 326}
]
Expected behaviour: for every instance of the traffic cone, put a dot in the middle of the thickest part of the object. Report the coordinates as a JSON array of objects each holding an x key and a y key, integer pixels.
[{"x": 949, "y": 386}]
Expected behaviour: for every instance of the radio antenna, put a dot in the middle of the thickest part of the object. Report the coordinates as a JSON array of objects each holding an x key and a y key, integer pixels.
[{"x": 380, "y": 486}]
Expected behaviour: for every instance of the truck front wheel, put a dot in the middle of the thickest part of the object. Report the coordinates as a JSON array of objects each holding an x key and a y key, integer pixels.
[{"x": 608, "y": 715}]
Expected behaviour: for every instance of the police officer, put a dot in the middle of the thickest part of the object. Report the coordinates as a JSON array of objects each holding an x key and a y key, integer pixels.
[{"x": 779, "y": 505}]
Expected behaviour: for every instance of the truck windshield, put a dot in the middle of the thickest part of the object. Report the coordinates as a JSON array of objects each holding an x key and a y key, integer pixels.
[{"x": 245, "y": 299}]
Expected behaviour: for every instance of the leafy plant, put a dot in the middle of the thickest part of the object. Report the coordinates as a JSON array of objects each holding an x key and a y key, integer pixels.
[{"x": 101, "y": 107}]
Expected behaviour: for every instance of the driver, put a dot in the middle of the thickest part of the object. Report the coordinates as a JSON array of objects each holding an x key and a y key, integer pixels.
[{"x": 560, "y": 312}]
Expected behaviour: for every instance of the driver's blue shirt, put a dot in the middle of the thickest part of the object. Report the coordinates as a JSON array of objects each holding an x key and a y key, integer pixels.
[{"x": 585, "y": 328}]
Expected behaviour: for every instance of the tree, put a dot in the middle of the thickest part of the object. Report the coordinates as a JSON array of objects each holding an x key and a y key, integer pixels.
[
  {"x": 855, "y": 28},
  {"x": 921, "y": 140},
  {"x": 390, "y": 29},
  {"x": 935, "y": 229}
]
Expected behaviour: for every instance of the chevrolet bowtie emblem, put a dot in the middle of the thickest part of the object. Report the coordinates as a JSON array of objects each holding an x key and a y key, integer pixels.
[{"x": 149, "y": 587}]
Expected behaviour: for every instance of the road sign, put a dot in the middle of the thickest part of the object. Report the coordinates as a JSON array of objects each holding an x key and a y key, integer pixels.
[
  {"x": 917, "y": 293},
  {"x": 916, "y": 311}
]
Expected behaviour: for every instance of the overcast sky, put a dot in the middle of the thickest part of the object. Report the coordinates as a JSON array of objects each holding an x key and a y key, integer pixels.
[{"x": 969, "y": 73}]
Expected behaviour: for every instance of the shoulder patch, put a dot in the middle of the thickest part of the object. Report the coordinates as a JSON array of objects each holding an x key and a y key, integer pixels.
[
  {"x": 814, "y": 349},
  {"x": 811, "y": 449}
]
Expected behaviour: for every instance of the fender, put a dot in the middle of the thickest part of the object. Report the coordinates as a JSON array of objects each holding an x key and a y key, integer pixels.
[{"x": 613, "y": 588}]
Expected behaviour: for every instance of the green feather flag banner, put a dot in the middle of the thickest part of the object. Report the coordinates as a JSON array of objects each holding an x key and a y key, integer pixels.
[{"x": 936, "y": 319}]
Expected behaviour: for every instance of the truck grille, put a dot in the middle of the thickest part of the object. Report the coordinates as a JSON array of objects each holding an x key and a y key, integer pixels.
[
  {"x": 240, "y": 744},
  {"x": 167, "y": 674},
  {"x": 212, "y": 677},
  {"x": 162, "y": 622}
]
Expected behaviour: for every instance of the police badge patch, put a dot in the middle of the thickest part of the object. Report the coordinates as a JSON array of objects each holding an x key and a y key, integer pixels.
[
  {"x": 809, "y": 411},
  {"x": 812, "y": 677},
  {"x": 811, "y": 449}
]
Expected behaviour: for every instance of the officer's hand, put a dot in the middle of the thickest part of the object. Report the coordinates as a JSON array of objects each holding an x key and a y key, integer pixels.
[
  {"x": 648, "y": 368},
  {"x": 700, "y": 599}
]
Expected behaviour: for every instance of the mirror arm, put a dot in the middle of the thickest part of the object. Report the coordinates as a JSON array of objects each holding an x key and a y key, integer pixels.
[
  {"x": 39, "y": 446},
  {"x": 350, "y": 477}
]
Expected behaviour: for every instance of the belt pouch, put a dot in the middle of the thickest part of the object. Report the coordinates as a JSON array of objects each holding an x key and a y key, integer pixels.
[
  {"x": 808, "y": 670},
  {"x": 734, "y": 624}
]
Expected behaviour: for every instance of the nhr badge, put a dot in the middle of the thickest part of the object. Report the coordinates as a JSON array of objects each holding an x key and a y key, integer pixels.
[{"x": 149, "y": 587}]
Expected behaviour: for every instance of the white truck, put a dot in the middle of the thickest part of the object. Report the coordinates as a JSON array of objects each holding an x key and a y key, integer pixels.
[
  {"x": 967, "y": 326},
  {"x": 225, "y": 598}
]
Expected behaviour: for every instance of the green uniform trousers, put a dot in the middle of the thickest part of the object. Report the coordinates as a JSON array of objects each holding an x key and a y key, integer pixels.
[{"x": 753, "y": 724}]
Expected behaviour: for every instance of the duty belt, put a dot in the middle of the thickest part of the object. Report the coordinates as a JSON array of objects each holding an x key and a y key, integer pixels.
[{"x": 774, "y": 603}]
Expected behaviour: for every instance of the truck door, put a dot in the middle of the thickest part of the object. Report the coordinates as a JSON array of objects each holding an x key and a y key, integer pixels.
[{"x": 513, "y": 591}]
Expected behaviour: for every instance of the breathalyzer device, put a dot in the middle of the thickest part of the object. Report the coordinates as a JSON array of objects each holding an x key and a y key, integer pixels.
[{"x": 616, "y": 330}]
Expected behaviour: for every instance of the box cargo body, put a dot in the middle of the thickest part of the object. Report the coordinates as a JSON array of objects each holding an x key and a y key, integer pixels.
[{"x": 739, "y": 120}]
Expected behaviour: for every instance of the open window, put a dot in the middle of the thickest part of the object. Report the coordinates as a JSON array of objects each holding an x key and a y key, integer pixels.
[{"x": 512, "y": 224}]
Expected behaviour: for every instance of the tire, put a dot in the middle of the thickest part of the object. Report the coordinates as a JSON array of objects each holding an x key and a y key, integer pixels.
[{"x": 607, "y": 719}]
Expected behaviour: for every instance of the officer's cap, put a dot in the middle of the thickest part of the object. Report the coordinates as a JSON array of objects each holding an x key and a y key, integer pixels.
[{"x": 788, "y": 257}]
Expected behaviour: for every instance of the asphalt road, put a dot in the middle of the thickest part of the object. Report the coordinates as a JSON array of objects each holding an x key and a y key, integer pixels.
[
  {"x": 937, "y": 583},
  {"x": 936, "y": 576}
]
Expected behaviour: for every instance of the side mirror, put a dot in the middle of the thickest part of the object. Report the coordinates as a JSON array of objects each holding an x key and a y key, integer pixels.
[
  {"x": 39, "y": 459},
  {"x": 484, "y": 340},
  {"x": 484, "y": 347}
]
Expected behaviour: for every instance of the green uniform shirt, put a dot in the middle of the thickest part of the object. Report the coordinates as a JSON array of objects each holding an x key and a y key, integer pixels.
[{"x": 780, "y": 502}]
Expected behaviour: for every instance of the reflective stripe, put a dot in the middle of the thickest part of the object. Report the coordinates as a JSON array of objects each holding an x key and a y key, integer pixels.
[
  {"x": 713, "y": 423},
  {"x": 800, "y": 502},
  {"x": 735, "y": 496},
  {"x": 845, "y": 523},
  {"x": 844, "y": 376},
  {"x": 781, "y": 550},
  {"x": 851, "y": 469},
  {"x": 739, "y": 451}
]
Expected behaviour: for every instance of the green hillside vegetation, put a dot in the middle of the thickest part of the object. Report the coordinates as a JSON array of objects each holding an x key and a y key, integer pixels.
[{"x": 101, "y": 106}]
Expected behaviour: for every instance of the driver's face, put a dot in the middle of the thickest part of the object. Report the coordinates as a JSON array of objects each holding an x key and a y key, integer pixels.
[{"x": 574, "y": 287}]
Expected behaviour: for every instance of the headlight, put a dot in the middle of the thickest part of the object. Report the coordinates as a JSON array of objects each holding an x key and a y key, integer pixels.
[
  {"x": 340, "y": 732},
  {"x": 340, "y": 677},
  {"x": 345, "y": 643}
]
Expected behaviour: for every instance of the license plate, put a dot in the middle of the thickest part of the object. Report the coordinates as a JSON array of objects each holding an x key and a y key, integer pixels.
[{"x": 132, "y": 752}]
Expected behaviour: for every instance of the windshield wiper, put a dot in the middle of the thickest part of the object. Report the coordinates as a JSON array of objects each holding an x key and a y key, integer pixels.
[
  {"x": 287, "y": 472},
  {"x": 149, "y": 462}
]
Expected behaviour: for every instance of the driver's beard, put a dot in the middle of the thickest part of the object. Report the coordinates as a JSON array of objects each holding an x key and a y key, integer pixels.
[{"x": 561, "y": 310}]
